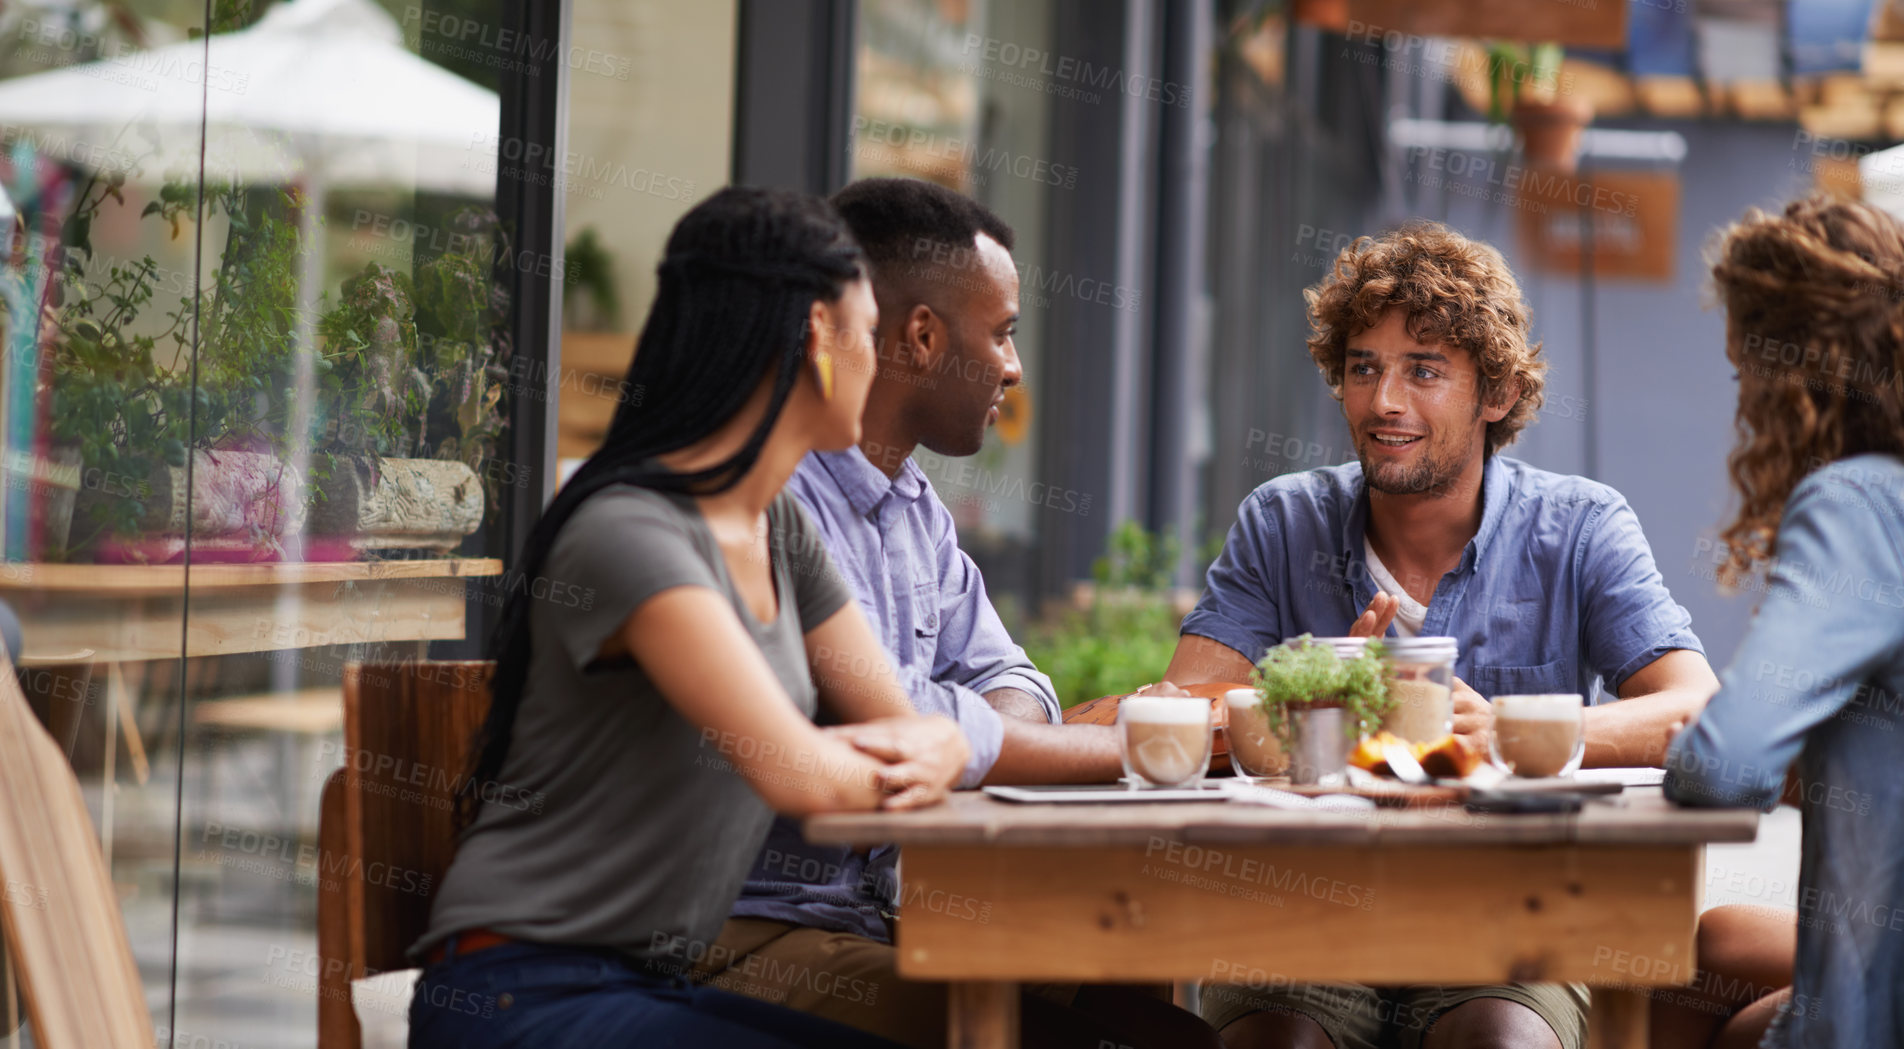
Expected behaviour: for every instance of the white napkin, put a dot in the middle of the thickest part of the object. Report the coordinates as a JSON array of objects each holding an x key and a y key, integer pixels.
[{"x": 1257, "y": 794}]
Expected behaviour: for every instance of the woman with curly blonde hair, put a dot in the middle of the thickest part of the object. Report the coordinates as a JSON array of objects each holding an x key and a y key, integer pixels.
[{"x": 1814, "y": 301}]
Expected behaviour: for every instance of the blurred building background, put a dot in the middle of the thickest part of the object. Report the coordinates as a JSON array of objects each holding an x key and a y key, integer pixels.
[
  {"x": 1179, "y": 170},
  {"x": 311, "y": 234}
]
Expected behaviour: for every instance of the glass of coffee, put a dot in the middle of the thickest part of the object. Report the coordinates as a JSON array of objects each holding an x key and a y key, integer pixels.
[
  {"x": 1254, "y": 749},
  {"x": 1165, "y": 739},
  {"x": 1539, "y": 736}
]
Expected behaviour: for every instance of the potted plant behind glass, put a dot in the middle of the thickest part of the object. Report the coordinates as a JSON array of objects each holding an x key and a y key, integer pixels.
[
  {"x": 409, "y": 401},
  {"x": 1319, "y": 701},
  {"x": 1524, "y": 89},
  {"x": 136, "y": 420}
]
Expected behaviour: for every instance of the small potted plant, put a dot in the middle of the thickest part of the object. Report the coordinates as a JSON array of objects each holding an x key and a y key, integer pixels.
[
  {"x": 1524, "y": 89},
  {"x": 133, "y": 420},
  {"x": 1319, "y": 702},
  {"x": 374, "y": 397}
]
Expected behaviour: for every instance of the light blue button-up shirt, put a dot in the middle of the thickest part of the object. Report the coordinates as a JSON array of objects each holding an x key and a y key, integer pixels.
[
  {"x": 894, "y": 542},
  {"x": 1819, "y": 679},
  {"x": 1556, "y": 589}
]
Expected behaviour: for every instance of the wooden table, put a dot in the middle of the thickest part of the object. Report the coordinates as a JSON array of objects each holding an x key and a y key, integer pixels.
[{"x": 995, "y": 893}]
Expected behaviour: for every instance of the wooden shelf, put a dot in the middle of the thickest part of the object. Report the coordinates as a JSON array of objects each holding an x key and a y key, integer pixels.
[
  {"x": 114, "y": 613},
  {"x": 133, "y": 579}
]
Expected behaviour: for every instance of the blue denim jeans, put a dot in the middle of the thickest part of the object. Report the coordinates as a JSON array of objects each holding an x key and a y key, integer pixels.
[{"x": 533, "y": 996}]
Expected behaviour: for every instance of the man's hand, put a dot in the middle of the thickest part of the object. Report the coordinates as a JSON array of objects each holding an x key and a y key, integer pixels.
[
  {"x": 1374, "y": 621},
  {"x": 924, "y": 756},
  {"x": 1473, "y": 717}
]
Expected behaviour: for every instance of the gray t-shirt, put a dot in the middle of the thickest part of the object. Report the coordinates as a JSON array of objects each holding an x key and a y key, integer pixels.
[{"x": 617, "y": 824}]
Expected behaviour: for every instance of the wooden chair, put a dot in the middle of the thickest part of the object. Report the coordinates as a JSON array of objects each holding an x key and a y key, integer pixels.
[
  {"x": 385, "y": 828},
  {"x": 62, "y": 923}
]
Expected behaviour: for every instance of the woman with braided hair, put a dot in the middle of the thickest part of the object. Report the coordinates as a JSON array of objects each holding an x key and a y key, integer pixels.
[
  {"x": 1812, "y": 707},
  {"x": 674, "y": 625}
]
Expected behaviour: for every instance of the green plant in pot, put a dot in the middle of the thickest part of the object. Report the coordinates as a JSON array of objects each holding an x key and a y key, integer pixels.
[
  {"x": 462, "y": 307},
  {"x": 124, "y": 400},
  {"x": 1318, "y": 703},
  {"x": 1524, "y": 88},
  {"x": 112, "y": 407},
  {"x": 409, "y": 401}
]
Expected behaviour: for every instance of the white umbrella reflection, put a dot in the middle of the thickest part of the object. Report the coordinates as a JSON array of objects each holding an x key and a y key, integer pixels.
[{"x": 320, "y": 92}]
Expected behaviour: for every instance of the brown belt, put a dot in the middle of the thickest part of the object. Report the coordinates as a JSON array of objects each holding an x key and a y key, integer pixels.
[{"x": 469, "y": 941}]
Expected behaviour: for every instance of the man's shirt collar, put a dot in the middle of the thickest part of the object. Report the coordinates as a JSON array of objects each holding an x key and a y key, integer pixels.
[
  {"x": 1494, "y": 498},
  {"x": 865, "y": 485}
]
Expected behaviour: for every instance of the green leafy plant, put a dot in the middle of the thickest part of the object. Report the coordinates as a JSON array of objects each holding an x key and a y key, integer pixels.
[
  {"x": 403, "y": 366},
  {"x": 462, "y": 312},
  {"x": 370, "y": 386},
  {"x": 1516, "y": 69},
  {"x": 1109, "y": 648},
  {"x": 1299, "y": 674},
  {"x": 417, "y": 366},
  {"x": 591, "y": 271},
  {"x": 112, "y": 398},
  {"x": 1127, "y": 634}
]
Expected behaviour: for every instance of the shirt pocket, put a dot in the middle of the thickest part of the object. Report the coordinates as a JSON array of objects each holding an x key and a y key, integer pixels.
[
  {"x": 1554, "y": 677},
  {"x": 925, "y": 612}
]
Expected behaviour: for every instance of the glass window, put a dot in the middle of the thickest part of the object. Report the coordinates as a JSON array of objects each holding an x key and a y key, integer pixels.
[
  {"x": 649, "y": 137},
  {"x": 257, "y": 298},
  {"x": 944, "y": 95}
]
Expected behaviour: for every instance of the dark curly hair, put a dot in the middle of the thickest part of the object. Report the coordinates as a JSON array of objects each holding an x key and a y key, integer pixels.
[
  {"x": 1455, "y": 291},
  {"x": 1814, "y": 302}
]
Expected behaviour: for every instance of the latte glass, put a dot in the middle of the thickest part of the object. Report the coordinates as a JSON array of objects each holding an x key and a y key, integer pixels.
[
  {"x": 1254, "y": 750},
  {"x": 1165, "y": 740},
  {"x": 1539, "y": 736}
]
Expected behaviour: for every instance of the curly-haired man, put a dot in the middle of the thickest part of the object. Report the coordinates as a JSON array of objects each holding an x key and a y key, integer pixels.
[{"x": 1544, "y": 580}]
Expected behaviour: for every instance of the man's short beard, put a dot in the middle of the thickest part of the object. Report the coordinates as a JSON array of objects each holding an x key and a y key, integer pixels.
[{"x": 1395, "y": 479}]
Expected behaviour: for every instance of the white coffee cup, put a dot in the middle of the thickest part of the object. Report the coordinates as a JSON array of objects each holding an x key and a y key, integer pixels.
[
  {"x": 1540, "y": 735},
  {"x": 1164, "y": 740}
]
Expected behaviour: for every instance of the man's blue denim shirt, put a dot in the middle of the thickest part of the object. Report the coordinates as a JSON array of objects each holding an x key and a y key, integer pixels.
[
  {"x": 895, "y": 544},
  {"x": 1817, "y": 687},
  {"x": 1556, "y": 589}
]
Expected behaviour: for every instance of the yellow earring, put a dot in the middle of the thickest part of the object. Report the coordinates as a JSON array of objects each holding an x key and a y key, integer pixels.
[{"x": 823, "y": 371}]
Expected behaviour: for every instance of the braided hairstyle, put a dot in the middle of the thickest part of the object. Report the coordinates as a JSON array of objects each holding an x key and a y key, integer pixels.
[
  {"x": 736, "y": 285},
  {"x": 1814, "y": 302}
]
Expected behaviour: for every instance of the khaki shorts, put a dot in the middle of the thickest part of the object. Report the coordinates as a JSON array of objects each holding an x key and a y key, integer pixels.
[
  {"x": 855, "y": 981},
  {"x": 1357, "y": 1017}
]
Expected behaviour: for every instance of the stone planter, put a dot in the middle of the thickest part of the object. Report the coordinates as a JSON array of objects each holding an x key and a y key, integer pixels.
[
  {"x": 369, "y": 504},
  {"x": 242, "y": 506}
]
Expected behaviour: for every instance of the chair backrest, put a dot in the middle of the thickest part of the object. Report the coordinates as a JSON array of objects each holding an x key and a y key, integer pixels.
[
  {"x": 386, "y": 831},
  {"x": 60, "y": 916}
]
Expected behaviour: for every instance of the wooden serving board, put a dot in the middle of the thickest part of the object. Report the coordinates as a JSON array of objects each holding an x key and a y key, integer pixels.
[{"x": 1399, "y": 795}]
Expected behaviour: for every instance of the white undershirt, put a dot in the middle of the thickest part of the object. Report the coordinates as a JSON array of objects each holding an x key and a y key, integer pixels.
[{"x": 1412, "y": 614}]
